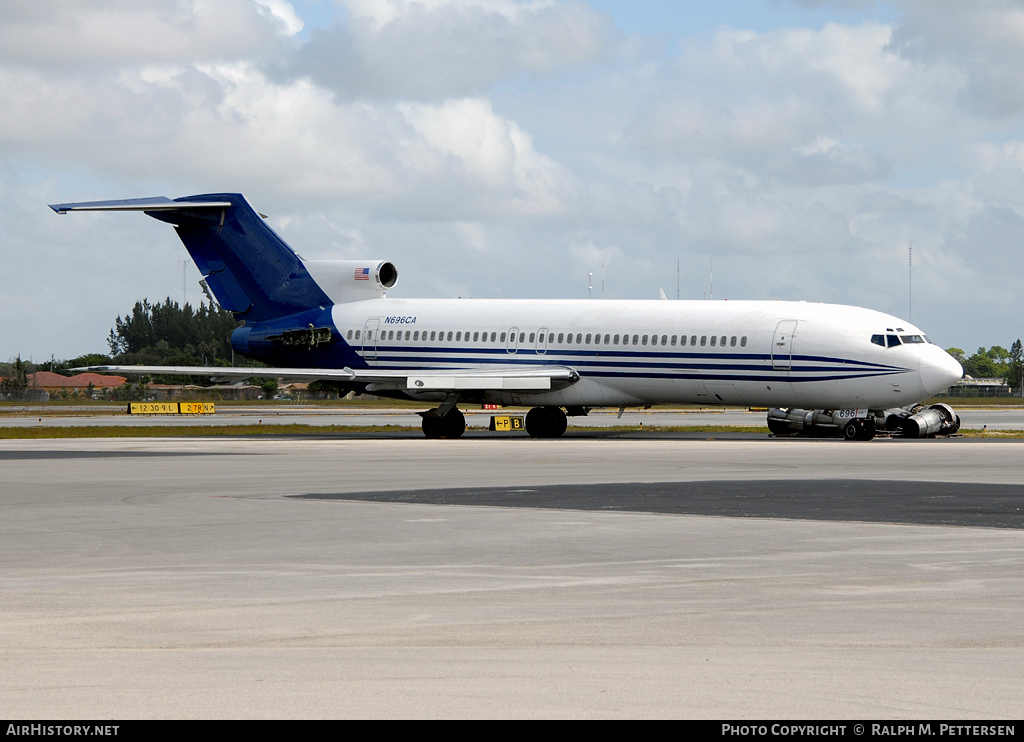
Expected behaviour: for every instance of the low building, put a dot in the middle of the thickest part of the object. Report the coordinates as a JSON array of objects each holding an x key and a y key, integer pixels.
[
  {"x": 79, "y": 385},
  {"x": 971, "y": 387}
]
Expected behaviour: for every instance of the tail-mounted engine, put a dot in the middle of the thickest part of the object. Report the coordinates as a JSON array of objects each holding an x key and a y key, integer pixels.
[{"x": 352, "y": 280}]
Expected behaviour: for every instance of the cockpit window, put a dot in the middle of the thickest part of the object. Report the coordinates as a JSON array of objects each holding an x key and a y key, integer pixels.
[
  {"x": 912, "y": 338},
  {"x": 892, "y": 340},
  {"x": 878, "y": 340}
]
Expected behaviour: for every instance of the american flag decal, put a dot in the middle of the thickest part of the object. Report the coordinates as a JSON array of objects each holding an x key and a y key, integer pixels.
[{"x": 362, "y": 274}]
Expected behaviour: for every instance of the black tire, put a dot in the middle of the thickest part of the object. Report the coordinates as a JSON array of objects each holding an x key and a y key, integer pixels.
[
  {"x": 454, "y": 424},
  {"x": 852, "y": 431},
  {"x": 546, "y": 422},
  {"x": 557, "y": 422},
  {"x": 536, "y": 422},
  {"x": 433, "y": 427}
]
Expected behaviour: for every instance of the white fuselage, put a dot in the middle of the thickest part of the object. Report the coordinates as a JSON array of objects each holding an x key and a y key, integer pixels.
[{"x": 760, "y": 353}]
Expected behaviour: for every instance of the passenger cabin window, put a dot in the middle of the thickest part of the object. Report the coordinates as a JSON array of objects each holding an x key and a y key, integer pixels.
[
  {"x": 743, "y": 341},
  {"x": 713, "y": 339}
]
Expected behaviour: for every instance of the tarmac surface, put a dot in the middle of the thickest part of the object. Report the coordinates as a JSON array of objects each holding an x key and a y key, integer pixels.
[{"x": 598, "y": 577}]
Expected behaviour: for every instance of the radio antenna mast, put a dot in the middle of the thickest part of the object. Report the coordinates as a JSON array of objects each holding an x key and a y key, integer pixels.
[{"x": 910, "y": 279}]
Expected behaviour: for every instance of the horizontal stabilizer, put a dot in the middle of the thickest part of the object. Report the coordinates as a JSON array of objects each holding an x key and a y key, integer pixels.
[{"x": 157, "y": 203}]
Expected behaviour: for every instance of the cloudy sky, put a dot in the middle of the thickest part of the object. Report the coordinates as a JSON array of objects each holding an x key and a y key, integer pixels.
[{"x": 498, "y": 148}]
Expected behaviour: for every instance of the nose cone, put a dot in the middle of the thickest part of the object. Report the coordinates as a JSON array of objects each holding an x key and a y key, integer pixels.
[{"x": 939, "y": 370}]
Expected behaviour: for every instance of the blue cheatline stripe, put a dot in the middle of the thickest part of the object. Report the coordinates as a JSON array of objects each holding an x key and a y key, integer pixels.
[
  {"x": 843, "y": 369},
  {"x": 395, "y": 359},
  {"x": 722, "y": 373},
  {"x": 565, "y": 356}
]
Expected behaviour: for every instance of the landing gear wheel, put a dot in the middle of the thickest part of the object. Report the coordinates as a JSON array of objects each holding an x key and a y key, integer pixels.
[
  {"x": 452, "y": 425},
  {"x": 433, "y": 427},
  {"x": 852, "y": 431},
  {"x": 546, "y": 422}
]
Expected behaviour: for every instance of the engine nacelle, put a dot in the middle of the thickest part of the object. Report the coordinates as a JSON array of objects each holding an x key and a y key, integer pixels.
[
  {"x": 352, "y": 280},
  {"x": 939, "y": 419}
]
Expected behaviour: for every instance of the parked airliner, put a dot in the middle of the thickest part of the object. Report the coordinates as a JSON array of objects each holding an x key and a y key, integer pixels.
[{"x": 332, "y": 320}]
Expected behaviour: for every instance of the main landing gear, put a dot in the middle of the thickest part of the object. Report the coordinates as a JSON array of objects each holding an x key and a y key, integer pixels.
[
  {"x": 541, "y": 422},
  {"x": 546, "y": 422},
  {"x": 451, "y": 425}
]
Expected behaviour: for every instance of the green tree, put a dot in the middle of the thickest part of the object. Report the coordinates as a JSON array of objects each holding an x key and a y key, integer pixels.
[
  {"x": 166, "y": 334},
  {"x": 1015, "y": 375},
  {"x": 15, "y": 376}
]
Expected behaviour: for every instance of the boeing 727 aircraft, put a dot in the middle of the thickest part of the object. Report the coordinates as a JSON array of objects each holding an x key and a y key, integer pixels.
[{"x": 332, "y": 320}]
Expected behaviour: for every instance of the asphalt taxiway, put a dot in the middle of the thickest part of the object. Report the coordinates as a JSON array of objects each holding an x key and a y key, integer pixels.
[{"x": 581, "y": 577}]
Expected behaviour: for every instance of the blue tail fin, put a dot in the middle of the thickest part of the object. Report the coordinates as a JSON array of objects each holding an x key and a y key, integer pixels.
[{"x": 250, "y": 270}]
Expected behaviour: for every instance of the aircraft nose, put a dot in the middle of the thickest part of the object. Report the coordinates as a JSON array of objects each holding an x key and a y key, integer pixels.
[{"x": 939, "y": 370}]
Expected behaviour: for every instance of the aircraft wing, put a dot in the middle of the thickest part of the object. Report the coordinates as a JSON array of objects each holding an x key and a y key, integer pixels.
[{"x": 511, "y": 378}]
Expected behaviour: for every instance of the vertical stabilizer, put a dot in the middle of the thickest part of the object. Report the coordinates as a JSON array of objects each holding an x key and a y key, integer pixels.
[{"x": 250, "y": 270}]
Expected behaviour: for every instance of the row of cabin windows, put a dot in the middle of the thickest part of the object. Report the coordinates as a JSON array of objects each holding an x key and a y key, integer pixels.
[{"x": 562, "y": 338}]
